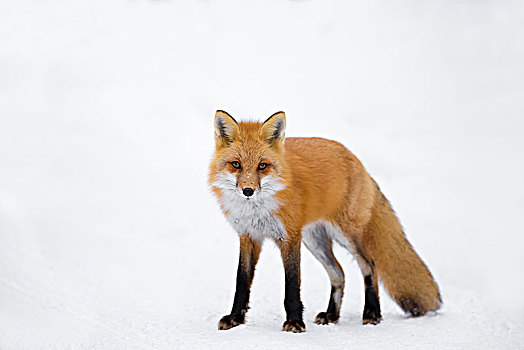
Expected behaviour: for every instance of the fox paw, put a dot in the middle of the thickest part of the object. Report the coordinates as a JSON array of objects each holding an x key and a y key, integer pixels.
[
  {"x": 372, "y": 319},
  {"x": 326, "y": 318},
  {"x": 230, "y": 321},
  {"x": 295, "y": 326}
]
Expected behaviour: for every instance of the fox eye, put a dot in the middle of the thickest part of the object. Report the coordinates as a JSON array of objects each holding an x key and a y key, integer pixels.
[
  {"x": 262, "y": 166},
  {"x": 235, "y": 164}
]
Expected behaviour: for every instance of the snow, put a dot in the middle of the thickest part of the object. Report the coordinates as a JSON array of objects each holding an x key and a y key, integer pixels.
[{"x": 109, "y": 236}]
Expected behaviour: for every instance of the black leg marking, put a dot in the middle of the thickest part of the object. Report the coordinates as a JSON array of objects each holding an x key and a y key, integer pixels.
[
  {"x": 332, "y": 307},
  {"x": 332, "y": 314},
  {"x": 249, "y": 253},
  {"x": 292, "y": 302},
  {"x": 372, "y": 305}
]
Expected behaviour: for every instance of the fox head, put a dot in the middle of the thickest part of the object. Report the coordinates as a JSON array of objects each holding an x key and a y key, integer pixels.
[{"x": 248, "y": 162}]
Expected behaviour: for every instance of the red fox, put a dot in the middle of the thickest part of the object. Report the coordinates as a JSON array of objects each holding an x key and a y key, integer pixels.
[{"x": 315, "y": 191}]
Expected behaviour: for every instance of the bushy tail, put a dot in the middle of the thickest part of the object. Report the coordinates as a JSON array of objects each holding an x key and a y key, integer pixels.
[{"x": 405, "y": 276}]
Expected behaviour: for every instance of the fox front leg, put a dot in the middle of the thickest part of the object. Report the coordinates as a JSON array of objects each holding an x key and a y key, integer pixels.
[
  {"x": 290, "y": 250},
  {"x": 249, "y": 253}
]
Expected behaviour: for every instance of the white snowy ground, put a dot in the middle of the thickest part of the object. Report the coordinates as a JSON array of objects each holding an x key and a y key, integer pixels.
[{"x": 109, "y": 237}]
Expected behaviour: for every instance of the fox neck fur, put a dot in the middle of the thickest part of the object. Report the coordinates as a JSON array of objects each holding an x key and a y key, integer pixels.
[{"x": 254, "y": 215}]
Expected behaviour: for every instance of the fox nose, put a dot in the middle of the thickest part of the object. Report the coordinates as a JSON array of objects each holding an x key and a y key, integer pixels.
[{"x": 248, "y": 192}]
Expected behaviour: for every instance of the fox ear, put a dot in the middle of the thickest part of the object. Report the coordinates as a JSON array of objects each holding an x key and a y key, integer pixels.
[
  {"x": 226, "y": 129},
  {"x": 273, "y": 129}
]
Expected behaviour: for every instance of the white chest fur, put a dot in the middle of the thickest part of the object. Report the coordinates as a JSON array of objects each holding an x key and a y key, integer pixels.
[{"x": 253, "y": 216}]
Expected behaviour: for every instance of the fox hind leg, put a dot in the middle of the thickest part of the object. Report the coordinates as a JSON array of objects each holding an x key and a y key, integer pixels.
[
  {"x": 319, "y": 243},
  {"x": 371, "y": 314}
]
